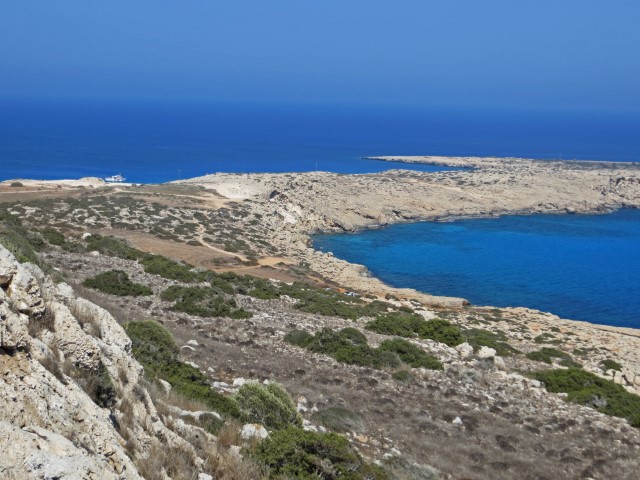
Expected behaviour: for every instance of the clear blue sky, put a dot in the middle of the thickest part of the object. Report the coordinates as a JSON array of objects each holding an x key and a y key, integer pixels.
[{"x": 511, "y": 53}]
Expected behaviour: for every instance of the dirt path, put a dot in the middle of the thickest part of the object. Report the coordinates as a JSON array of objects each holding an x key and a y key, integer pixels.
[{"x": 201, "y": 239}]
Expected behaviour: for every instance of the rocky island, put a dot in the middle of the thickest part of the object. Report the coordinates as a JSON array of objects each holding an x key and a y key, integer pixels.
[{"x": 190, "y": 330}]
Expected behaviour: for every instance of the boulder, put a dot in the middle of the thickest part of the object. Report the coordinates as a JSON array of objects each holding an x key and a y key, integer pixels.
[
  {"x": 486, "y": 352},
  {"x": 465, "y": 350},
  {"x": 253, "y": 430}
]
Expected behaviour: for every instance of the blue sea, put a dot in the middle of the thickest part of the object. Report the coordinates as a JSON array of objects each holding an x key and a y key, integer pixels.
[
  {"x": 161, "y": 141},
  {"x": 581, "y": 267},
  {"x": 577, "y": 267}
]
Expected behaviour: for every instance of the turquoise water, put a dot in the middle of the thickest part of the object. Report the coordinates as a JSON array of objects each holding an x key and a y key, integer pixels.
[{"x": 582, "y": 267}]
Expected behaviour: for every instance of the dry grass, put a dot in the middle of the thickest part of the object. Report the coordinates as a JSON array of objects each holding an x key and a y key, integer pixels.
[
  {"x": 53, "y": 364},
  {"x": 126, "y": 426},
  {"x": 179, "y": 463},
  {"x": 87, "y": 320},
  {"x": 158, "y": 395},
  {"x": 122, "y": 315},
  {"x": 229, "y": 434},
  {"x": 46, "y": 321},
  {"x": 225, "y": 465}
]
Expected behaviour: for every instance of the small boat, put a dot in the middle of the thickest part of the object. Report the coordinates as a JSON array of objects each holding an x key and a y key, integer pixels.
[{"x": 115, "y": 179}]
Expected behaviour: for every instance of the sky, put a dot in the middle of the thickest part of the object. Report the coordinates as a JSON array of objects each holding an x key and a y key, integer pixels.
[{"x": 546, "y": 54}]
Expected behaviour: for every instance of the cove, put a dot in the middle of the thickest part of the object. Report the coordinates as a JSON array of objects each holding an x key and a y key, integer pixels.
[{"x": 580, "y": 267}]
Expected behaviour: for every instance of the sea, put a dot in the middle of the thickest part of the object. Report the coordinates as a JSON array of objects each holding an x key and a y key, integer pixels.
[{"x": 580, "y": 267}]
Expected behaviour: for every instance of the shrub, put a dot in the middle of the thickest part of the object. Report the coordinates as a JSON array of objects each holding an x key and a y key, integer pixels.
[
  {"x": 203, "y": 302},
  {"x": 339, "y": 419},
  {"x": 296, "y": 453},
  {"x": 300, "y": 338},
  {"x": 441, "y": 331},
  {"x": 167, "y": 268},
  {"x": 402, "y": 376},
  {"x": 350, "y": 346},
  {"x": 477, "y": 338},
  {"x": 331, "y": 304},
  {"x": 53, "y": 236},
  {"x": 154, "y": 347},
  {"x": 411, "y": 354},
  {"x": 547, "y": 354},
  {"x": 609, "y": 364},
  {"x": 113, "y": 247},
  {"x": 16, "y": 184},
  {"x": 398, "y": 324},
  {"x": 269, "y": 405},
  {"x": 17, "y": 242},
  {"x": 117, "y": 282},
  {"x": 588, "y": 389},
  {"x": 96, "y": 383},
  {"x": 330, "y": 342}
]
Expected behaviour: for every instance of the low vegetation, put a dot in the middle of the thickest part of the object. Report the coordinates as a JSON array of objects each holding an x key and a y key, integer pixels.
[
  {"x": 96, "y": 383},
  {"x": 117, "y": 282},
  {"x": 296, "y": 453},
  {"x": 203, "y": 302},
  {"x": 154, "y": 347},
  {"x": 589, "y": 389},
  {"x": 478, "y": 338},
  {"x": 269, "y": 405},
  {"x": 339, "y": 419},
  {"x": 548, "y": 355},
  {"x": 609, "y": 364},
  {"x": 350, "y": 346},
  {"x": 410, "y": 325}
]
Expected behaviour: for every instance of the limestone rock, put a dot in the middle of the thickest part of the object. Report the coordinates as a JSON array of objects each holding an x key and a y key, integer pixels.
[
  {"x": 465, "y": 350},
  {"x": 486, "y": 352},
  {"x": 253, "y": 430}
]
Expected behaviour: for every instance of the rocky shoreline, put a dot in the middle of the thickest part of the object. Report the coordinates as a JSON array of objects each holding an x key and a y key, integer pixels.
[
  {"x": 295, "y": 206},
  {"x": 298, "y": 205}
]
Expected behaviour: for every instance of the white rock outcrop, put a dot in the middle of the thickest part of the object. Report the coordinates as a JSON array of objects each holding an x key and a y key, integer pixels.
[{"x": 49, "y": 426}]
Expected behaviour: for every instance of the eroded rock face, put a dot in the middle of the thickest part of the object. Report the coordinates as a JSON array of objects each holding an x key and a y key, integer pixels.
[
  {"x": 49, "y": 426},
  {"x": 13, "y": 324}
]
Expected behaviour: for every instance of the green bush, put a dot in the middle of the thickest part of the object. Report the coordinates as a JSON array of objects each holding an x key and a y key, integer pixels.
[
  {"x": 330, "y": 342},
  {"x": 330, "y": 303},
  {"x": 441, "y": 331},
  {"x": 477, "y": 338},
  {"x": 589, "y": 389},
  {"x": 296, "y": 453},
  {"x": 411, "y": 354},
  {"x": 397, "y": 324},
  {"x": 300, "y": 338},
  {"x": 167, "y": 268},
  {"x": 113, "y": 247},
  {"x": 609, "y": 364},
  {"x": 547, "y": 354},
  {"x": 154, "y": 347},
  {"x": 97, "y": 384},
  {"x": 402, "y": 376},
  {"x": 339, "y": 419},
  {"x": 269, "y": 405},
  {"x": 16, "y": 240},
  {"x": 350, "y": 346},
  {"x": 409, "y": 325},
  {"x": 117, "y": 282},
  {"x": 203, "y": 302},
  {"x": 53, "y": 236}
]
